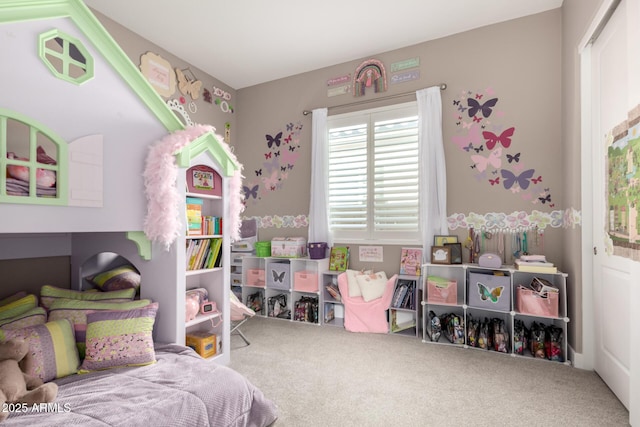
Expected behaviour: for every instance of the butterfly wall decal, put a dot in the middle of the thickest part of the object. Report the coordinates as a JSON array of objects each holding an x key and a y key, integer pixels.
[
  {"x": 272, "y": 180},
  {"x": 187, "y": 85},
  {"x": 258, "y": 172},
  {"x": 494, "y": 159},
  {"x": 278, "y": 277},
  {"x": 545, "y": 199},
  {"x": 504, "y": 138},
  {"x": 537, "y": 180},
  {"x": 494, "y": 181},
  {"x": 250, "y": 192},
  {"x": 273, "y": 139},
  {"x": 514, "y": 158},
  {"x": 486, "y": 109},
  {"x": 487, "y": 294},
  {"x": 522, "y": 180}
]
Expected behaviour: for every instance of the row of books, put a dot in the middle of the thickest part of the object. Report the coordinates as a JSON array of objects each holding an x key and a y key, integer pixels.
[
  {"x": 404, "y": 295},
  {"x": 204, "y": 253},
  {"x": 535, "y": 264},
  {"x": 194, "y": 216}
]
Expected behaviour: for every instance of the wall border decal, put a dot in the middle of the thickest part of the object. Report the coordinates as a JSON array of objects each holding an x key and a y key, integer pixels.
[{"x": 516, "y": 221}]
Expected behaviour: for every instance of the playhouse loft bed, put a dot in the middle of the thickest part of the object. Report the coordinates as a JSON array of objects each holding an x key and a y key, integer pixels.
[{"x": 78, "y": 117}]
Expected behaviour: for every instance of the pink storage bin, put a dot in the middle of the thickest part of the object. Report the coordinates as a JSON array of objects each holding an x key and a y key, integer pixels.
[
  {"x": 305, "y": 281},
  {"x": 529, "y": 301},
  {"x": 255, "y": 277},
  {"x": 442, "y": 291}
]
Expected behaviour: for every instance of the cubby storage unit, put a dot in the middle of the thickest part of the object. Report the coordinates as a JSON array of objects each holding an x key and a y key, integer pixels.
[
  {"x": 404, "y": 311},
  {"x": 290, "y": 288},
  {"x": 491, "y": 294},
  {"x": 332, "y": 306}
]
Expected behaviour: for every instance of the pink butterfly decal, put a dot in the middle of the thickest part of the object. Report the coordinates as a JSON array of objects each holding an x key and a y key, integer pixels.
[
  {"x": 493, "y": 139},
  {"x": 494, "y": 181},
  {"x": 477, "y": 119},
  {"x": 271, "y": 181},
  {"x": 267, "y": 155},
  {"x": 290, "y": 157},
  {"x": 493, "y": 159},
  {"x": 526, "y": 196},
  {"x": 287, "y": 139},
  {"x": 473, "y": 137},
  {"x": 537, "y": 180}
]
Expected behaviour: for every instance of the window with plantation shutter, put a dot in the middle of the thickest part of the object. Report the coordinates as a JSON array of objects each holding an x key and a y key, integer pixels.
[{"x": 373, "y": 175}]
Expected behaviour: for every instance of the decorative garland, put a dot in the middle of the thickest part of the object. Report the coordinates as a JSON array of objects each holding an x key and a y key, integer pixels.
[
  {"x": 163, "y": 222},
  {"x": 495, "y": 221},
  {"x": 516, "y": 221}
]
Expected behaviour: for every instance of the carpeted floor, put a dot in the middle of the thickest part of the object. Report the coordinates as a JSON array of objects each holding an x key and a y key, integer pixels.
[{"x": 326, "y": 376}]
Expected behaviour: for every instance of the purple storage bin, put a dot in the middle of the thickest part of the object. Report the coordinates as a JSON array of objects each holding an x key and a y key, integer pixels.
[{"x": 318, "y": 250}]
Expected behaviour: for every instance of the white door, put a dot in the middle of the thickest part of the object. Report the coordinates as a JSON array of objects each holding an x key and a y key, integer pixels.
[{"x": 612, "y": 99}]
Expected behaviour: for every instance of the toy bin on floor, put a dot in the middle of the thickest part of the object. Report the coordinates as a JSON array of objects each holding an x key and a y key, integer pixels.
[
  {"x": 305, "y": 281},
  {"x": 490, "y": 291},
  {"x": 278, "y": 276}
]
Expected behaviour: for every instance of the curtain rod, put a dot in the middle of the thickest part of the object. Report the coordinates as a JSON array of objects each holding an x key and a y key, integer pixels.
[{"x": 443, "y": 86}]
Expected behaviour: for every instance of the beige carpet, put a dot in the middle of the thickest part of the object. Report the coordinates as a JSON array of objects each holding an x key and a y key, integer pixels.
[{"x": 326, "y": 376}]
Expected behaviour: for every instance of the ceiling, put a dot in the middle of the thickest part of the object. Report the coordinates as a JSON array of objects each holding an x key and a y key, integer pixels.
[{"x": 246, "y": 42}]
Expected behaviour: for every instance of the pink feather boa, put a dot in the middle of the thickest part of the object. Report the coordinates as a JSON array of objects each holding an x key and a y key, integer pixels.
[{"x": 163, "y": 223}]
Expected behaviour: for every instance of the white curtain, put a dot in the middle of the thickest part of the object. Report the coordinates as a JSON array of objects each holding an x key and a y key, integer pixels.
[
  {"x": 433, "y": 174},
  {"x": 318, "y": 206}
]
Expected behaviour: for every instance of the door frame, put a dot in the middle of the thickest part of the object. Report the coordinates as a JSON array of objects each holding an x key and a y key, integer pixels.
[{"x": 586, "y": 359}]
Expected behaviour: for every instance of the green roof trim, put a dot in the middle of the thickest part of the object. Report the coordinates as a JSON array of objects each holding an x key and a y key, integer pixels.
[
  {"x": 207, "y": 142},
  {"x": 144, "y": 244},
  {"x": 97, "y": 35}
]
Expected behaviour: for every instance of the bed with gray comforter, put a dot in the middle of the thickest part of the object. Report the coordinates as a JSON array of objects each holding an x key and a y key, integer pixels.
[{"x": 181, "y": 389}]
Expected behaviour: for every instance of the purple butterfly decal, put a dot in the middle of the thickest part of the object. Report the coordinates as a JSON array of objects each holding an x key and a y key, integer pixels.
[
  {"x": 273, "y": 139},
  {"x": 290, "y": 127},
  {"x": 514, "y": 158},
  {"x": 273, "y": 164},
  {"x": 475, "y": 107},
  {"x": 523, "y": 180},
  {"x": 250, "y": 192}
]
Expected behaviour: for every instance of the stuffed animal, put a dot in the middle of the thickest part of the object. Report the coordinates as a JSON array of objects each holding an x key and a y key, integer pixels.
[
  {"x": 15, "y": 385},
  {"x": 44, "y": 177}
]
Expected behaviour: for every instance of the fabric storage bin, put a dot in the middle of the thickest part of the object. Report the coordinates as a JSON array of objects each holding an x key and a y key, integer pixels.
[
  {"x": 318, "y": 250},
  {"x": 441, "y": 290},
  {"x": 489, "y": 291},
  {"x": 305, "y": 281},
  {"x": 529, "y": 301},
  {"x": 278, "y": 276},
  {"x": 263, "y": 249},
  {"x": 255, "y": 277},
  {"x": 289, "y": 247}
]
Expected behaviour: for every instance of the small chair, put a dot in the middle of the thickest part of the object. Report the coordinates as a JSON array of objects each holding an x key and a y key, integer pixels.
[
  {"x": 363, "y": 316},
  {"x": 239, "y": 314}
]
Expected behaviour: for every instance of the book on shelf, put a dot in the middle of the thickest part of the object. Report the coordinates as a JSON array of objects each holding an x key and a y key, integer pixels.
[
  {"x": 334, "y": 291},
  {"x": 410, "y": 261},
  {"x": 329, "y": 313},
  {"x": 339, "y": 258},
  {"x": 401, "y": 321},
  {"x": 194, "y": 216},
  {"x": 535, "y": 266}
]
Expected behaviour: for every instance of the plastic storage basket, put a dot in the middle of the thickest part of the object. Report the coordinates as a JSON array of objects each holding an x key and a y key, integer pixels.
[
  {"x": 263, "y": 249},
  {"x": 318, "y": 250}
]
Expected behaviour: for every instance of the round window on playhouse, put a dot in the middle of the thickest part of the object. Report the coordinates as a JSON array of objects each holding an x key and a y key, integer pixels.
[{"x": 66, "y": 57}]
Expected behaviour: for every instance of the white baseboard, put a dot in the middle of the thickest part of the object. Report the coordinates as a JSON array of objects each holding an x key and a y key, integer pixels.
[{"x": 578, "y": 360}]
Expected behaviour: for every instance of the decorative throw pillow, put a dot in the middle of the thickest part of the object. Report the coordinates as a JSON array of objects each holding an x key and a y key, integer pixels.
[
  {"x": 353, "y": 285},
  {"x": 35, "y": 316},
  {"x": 18, "y": 307},
  {"x": 120, "y": 338},
  {"x": 123, "y": 277},
  {"x": 53, "y": 348},
  {"x": 372, "y": 286},
  {"x": 49, "y": 294},
  {"x": 76, "y": 312},
  {"x": 12, "y": 298}
]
